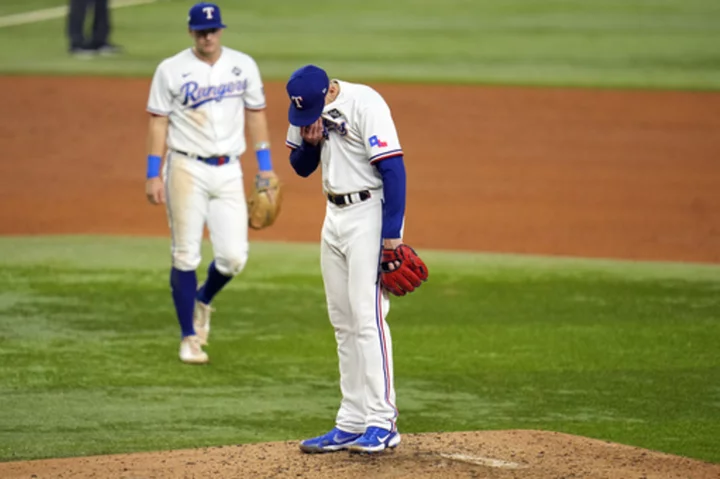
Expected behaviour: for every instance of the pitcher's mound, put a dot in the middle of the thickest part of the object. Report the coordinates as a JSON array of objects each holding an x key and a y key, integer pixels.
[{"x": 488, "y": 454}]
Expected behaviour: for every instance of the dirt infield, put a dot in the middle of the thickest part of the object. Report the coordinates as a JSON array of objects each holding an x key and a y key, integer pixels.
[
  {"x": 549, "y": 171},
  {"x": 613, "y": 174},
  {"x": 491, "y": 454}
]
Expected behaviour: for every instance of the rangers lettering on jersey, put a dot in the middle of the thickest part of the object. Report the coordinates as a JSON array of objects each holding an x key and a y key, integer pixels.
[{"x": 195, "y": 95}]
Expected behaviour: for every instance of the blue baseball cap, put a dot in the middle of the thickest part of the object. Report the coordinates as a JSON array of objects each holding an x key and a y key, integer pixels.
[
  {"x": 204, "y": 16},
  {"x": 307, "y": 88}
]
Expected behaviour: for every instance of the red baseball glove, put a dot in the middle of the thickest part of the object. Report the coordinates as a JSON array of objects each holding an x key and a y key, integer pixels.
[{"x": 402, "y": 270}]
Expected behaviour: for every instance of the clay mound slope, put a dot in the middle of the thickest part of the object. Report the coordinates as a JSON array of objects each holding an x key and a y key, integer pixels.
[{"x": 487, "y": 454}]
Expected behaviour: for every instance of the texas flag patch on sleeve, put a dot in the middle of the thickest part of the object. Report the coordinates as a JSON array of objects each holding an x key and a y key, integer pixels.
[{"x": 382, "y": 148}]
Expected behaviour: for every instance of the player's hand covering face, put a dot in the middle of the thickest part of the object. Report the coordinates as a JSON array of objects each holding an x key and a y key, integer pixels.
[{"x": 313, "y": 133}]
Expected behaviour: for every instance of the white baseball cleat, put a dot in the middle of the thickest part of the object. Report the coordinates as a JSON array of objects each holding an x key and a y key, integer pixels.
[
  {"x": 191, "y": 351},
  {"x": 201, "y": 321}
]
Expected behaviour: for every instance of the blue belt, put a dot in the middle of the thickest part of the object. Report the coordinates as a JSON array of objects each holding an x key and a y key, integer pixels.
[{"x": 210, "y": 160}]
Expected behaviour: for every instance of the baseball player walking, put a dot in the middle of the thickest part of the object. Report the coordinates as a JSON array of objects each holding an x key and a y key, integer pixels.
[
  {"x": 349, "y": 130},
  {"x": 199, "y": 102}
]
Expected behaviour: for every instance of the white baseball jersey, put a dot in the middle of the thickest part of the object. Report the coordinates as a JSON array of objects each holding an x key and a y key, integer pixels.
[
  {"x": 206, "y": 103},
  {"x": 360, "y": 132}
]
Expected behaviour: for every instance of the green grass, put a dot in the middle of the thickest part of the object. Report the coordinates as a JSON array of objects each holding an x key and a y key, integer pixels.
[
  {"x": 88, "y": 341},
  {"x": 9, "y": 7},
  {"x": 605, "y": 43}
]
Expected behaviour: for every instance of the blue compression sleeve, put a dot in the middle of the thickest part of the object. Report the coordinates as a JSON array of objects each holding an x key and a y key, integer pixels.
[
  {"x": 305, "y": 159},
  {"x": 394, "y": 184}
]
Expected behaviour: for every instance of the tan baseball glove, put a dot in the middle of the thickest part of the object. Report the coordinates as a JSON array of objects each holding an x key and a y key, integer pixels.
[{"x": 264, "y": 202}]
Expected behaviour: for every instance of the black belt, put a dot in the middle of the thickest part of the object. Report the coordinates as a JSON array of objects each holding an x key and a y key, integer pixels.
[
  {"x": 210, "y": 160},
  {"x": 350, "y": 198}
]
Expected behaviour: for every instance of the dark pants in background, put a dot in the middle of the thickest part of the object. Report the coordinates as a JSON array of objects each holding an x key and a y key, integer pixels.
[{"x": 100, "y": 27}]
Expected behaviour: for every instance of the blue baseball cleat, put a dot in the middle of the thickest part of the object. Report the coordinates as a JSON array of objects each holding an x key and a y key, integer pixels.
[
  {"x": 335, "y": 440},
  {"x": 376, "y": 439}
]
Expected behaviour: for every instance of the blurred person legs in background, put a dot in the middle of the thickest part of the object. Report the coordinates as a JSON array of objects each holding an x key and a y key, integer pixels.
[{"x": 98, "y": 43}]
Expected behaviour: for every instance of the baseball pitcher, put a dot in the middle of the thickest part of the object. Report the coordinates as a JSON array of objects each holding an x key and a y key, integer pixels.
[
  {"x": 349, "y": 130},
  {"x": 199, "y": 103}
]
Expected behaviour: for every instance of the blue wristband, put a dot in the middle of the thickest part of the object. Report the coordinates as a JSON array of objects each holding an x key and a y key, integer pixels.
[
  {"x": 153, "y": 166},
  {"x": 263, "y": 159}
]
